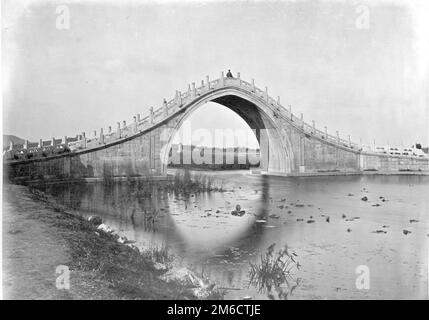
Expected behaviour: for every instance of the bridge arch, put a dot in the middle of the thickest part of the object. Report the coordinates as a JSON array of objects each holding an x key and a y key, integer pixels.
[{"x": 275, "y": 147}]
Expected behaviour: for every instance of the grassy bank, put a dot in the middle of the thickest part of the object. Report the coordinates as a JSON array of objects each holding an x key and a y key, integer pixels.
[{"x": 122, "y": 268}]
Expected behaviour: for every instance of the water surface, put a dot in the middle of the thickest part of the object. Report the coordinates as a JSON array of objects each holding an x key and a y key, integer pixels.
[{"x": 201, "y": 232}]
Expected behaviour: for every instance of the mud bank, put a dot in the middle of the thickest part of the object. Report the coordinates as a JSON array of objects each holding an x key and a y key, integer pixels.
[{"x": 39, "y": 235}]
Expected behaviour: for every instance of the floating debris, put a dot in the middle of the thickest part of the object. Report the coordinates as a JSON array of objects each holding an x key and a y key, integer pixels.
[
  {"x": 14, "y": 231},
  {"x": 406, "y": 232},
  {"x": 327, "y": 219},
  {"x": 365, "y": 198},
  {"x": 299, "y": 219},
  {"x": 413, "y": 220},
  {"x": 281, "y": 207},
  {"x": 376, "y": 205},
  {"x": 274, "y": 216},
  {"x": 352, "y": 219},
  {"x": 350, "y": 194},
  {"x": 379, "y": 231},
  {"x": 349, "y": 230},
  {"x": 311, "y": 221},
  {"x": 343, "y": 216},
  {"x": 238, "y": 211},
  {"x": 299, "y": 205}
]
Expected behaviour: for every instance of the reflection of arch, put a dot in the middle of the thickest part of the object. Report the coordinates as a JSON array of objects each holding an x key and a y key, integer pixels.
[{"x": 276, "y": 150}]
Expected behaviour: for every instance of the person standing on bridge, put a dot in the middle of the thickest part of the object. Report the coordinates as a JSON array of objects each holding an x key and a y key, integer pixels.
[{"x": 229, "y": 74}]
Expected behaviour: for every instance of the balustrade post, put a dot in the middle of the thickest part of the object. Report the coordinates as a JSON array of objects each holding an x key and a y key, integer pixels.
[
  {"x": 118, "y": 126},
  {"x": 53, "y": 142},
  {"x": 10, "y": 145},
  {"x": 314, "y": 126},
  {"x": 40, "y": 143},
  {"x": 165, "y": 108},
  {"x": 338, "y": 137},
  {"x": 253, "y": 85},
  {"x": 83, "y": 140},
  {"x": 65, "y": 141},
  {"x": 302, "y": 120},
  {"x": 151, "y": 115},
  {"x": 326, "y": 132},
  {"x": 350, "y": 141},
  {"x": 290, "y": 112},
  {"x": 208, "y": 82},
  {"x": 266, "y": 94},
  {"x": 25, "y": 146},
  {"x": 194, "y": 90},
  {"x": 179, "y": 101},
  {"x": 110, "y": 129},
  {"x": 135, "y": 124},
  {"x": 222, "y": 79},
  {"x": 101, "y": 136}
]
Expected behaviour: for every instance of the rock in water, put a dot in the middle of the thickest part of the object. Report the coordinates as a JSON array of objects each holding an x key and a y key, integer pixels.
[
  {"x": 95, "y": 220},
  {"x": 238, "y": 211},
  {"x": 105, "y": 228}
]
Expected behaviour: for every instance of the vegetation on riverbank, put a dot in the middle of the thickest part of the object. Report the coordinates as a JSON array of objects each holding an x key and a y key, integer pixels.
[{"x": 123, "y": 268}]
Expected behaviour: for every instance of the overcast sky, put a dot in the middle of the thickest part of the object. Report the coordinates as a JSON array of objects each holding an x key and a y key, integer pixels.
[{"x": 119, "y": 58}]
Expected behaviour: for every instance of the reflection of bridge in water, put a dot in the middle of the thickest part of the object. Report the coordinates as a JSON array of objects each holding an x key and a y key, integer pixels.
[
  {"x": 288, "y": 145},
  {"x": 153, "y": 216}
]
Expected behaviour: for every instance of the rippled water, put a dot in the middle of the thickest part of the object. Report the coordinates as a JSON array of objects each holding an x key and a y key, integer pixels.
[{"x": 201, "y": 232}]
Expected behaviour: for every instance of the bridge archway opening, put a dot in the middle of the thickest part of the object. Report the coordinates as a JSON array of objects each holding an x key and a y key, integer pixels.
[
  {"x": 220, "y": 138},
  {"x": 273, "y": 152}
]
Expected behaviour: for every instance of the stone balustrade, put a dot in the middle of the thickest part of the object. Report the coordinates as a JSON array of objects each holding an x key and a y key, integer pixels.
[{"x": 181, "y": 99}]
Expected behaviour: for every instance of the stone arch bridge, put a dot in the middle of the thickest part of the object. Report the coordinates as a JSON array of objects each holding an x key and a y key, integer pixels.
[{"x": 290, "y": 147}]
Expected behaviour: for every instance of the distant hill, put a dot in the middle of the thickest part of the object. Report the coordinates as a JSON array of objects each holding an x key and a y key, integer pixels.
[{"x": 7, "y": 138}]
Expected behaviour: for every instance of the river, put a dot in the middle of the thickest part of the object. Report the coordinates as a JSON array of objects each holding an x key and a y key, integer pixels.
[{"x": 322, "y": 219}]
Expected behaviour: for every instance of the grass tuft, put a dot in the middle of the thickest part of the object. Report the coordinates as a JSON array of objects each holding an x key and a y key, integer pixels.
[{"x": 275, "y": 273}]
